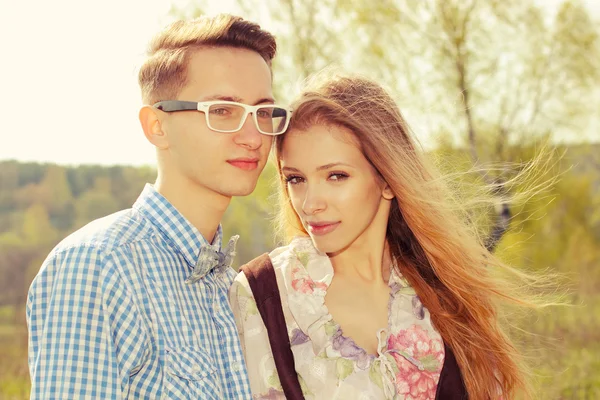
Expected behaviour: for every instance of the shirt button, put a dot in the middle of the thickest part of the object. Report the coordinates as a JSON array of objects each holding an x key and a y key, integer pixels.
[
  {"x": 196, "y": 368},
  {"x": 236, "y": 366}
]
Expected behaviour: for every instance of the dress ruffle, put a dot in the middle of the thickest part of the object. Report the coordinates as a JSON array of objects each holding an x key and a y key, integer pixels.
[{"x": 307, "y": 274}]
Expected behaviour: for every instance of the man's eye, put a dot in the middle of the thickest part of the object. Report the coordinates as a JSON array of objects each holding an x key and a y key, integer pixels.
[
  {"x": 219, "y": 111},
  {"x": 264, "y": 114}
]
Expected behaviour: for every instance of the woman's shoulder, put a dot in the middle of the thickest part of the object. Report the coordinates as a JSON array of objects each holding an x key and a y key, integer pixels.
[
  {"x": 241, "y": 294},
  {"x": 284, "y": 259},
  {"x": 283, "y": 254},
  {"x": 278, "y": 254}
]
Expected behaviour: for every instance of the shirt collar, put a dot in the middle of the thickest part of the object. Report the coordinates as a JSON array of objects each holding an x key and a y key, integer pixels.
[{"x": 175, "y": 228}]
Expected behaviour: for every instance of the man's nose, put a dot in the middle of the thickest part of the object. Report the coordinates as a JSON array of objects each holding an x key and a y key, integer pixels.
[{"x": 248, "y": 135}]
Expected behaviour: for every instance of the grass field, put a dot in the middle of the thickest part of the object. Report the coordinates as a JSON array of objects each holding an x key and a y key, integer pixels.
[{"x": 14, "y": 375}]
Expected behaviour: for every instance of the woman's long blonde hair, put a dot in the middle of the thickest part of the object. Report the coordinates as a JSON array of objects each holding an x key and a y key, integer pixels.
[{"x": 456, "y": 278}]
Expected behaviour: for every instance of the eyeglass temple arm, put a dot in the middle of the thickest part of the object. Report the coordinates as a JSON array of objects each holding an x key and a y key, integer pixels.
[
  {"x": 280, "y": 112},
  {"x": 176, "y": 105}
]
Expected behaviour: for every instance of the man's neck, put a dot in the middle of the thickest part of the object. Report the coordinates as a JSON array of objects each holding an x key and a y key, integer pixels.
[{"x": 202, "y": 207}]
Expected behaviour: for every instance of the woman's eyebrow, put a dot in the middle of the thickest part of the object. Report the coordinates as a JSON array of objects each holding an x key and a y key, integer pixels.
[
  {"x": 331, "y": 165},
  {"x": 321, "y": 168}
]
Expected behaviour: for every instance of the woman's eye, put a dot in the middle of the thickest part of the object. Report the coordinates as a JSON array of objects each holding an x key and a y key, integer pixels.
[
  {"x": 338, "y": 176},
  {"x": 293, "y": 179}
]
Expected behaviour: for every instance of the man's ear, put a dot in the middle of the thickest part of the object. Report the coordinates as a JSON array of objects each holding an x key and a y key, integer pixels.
[{"x": 152, "y": 126}]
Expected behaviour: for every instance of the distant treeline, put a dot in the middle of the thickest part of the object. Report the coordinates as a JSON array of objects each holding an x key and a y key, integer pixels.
[{"x": 42, "y": 203}]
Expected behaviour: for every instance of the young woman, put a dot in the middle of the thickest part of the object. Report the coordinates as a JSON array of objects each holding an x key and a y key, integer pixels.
[{"x": 382, "y": 283}]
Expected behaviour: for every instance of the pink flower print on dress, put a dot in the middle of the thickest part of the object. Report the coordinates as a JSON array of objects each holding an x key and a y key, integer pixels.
[
  {"x": 419, "y": 359},
  {"x": 302, "y": 283},
  {"x": 272, "y": 394}
]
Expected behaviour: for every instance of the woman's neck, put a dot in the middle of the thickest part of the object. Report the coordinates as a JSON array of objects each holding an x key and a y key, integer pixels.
[{"x": 368, "y": 262}]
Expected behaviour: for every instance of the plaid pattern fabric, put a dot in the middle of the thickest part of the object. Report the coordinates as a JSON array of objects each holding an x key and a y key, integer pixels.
[{"x": 110, "y": 315}]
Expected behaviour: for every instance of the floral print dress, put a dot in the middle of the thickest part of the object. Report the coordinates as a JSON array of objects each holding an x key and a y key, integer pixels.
[{"x": 329, "y": 364}]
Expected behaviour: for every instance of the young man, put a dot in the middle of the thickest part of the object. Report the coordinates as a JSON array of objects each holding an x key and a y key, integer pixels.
[{"x": 134, "y": 305}]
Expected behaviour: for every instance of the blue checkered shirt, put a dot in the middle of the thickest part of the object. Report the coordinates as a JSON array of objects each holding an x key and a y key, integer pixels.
[{"x": 111, "y": 316}]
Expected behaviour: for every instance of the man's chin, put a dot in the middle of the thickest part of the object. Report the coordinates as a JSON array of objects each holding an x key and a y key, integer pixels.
[{"x": 240, "y": 191}]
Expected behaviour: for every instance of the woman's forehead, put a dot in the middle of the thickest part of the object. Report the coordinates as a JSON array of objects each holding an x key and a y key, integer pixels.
[{"x": 320, "y": 145}]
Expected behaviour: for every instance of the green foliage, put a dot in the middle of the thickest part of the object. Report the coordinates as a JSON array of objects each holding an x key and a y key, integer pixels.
[
  {"x": 95, "y": 203},
  {"x": 55, "y": 189},
  {"x": 36, "y": 227}
]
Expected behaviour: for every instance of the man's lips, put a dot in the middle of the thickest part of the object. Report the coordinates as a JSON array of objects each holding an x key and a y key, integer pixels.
[
  {"x": 246, "y": 164},
  {"x": 322, "y": 227}
]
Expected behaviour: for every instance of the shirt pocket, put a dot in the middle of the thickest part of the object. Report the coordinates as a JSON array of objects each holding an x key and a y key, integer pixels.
[{"x": 190, "y": 374}]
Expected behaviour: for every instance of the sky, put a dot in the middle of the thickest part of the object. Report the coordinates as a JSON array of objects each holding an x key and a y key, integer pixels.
[{"x": 68, "y": 77}]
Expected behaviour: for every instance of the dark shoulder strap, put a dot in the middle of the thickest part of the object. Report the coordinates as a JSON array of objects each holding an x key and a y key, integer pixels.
[
  {"x": 451, "y": 385},
  {"x": 263, "y": 282}
]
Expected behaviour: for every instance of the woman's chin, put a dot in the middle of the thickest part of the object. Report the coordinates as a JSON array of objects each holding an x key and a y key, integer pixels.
[{"x": 326, "y": 245}]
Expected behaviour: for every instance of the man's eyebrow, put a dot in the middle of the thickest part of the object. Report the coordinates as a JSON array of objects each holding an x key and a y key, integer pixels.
[
  {"x": 264, "y": 100},
  {"x": 222, "y": 97}
]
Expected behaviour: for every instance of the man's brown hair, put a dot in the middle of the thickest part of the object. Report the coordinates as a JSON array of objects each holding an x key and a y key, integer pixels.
[{"x": 164, "y": 73}]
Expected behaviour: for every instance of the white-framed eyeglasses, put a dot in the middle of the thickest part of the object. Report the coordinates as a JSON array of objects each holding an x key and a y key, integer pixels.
[{"x": 230, "y": 116}]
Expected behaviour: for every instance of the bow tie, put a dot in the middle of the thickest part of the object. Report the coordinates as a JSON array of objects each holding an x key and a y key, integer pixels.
[{"x": 209, "y": 259}]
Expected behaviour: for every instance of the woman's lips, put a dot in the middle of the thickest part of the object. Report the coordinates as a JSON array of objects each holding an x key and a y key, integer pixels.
[{"x": 322, "y": 228}]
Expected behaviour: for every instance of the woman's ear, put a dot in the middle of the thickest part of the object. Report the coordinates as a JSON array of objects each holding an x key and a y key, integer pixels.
[
  {"x": 387, "y": 192},
  {"x": 151, "y": 124}
]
